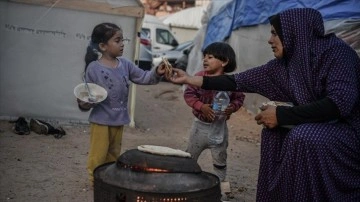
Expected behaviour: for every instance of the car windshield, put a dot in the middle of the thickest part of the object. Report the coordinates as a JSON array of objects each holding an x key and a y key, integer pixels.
[{"x": 144, "y": 35}]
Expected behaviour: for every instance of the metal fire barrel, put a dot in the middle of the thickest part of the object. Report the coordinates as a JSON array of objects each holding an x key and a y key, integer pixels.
[{"x": 138, "y": 176}]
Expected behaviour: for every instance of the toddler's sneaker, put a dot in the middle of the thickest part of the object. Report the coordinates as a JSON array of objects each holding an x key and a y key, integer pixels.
[
  {"x": 224, "y": 198},
  {"x": 38, "y": 127},
  {"x": 225, "y": 191}
]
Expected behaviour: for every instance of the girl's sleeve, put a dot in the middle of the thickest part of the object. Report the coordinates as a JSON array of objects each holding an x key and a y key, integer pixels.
[
  {"x": 142, "y": 77},
  {"x": 91, "y": 73},
  {"x": 191, "y": 96},
  {"x": 237, "y": 100}
]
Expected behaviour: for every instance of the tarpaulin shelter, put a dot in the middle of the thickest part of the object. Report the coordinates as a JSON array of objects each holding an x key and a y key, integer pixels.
[
  {"x": 185, "y": 23},
  {"x": 244, "y": 25},
  {"x": 43, "y": 44}
]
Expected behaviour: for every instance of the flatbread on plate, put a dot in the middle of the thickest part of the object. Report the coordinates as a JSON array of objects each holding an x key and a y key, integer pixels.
[{"x": 277, "y": 103}]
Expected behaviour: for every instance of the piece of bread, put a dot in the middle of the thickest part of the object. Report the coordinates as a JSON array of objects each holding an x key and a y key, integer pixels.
[
  {"x": 160, "y": 150},
  {"x": 168, "y": 68}
]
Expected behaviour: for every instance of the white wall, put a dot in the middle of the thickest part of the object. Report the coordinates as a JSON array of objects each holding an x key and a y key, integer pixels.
[
  {"x": 251, "y": 49},
  {"x": 42, "y": 58}
]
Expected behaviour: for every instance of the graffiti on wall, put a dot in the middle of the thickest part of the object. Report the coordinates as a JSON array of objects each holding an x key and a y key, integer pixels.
[{"x": 44, "y": 32}]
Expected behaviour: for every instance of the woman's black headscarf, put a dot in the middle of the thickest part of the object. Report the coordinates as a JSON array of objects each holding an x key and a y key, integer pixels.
[{"x": 276, "y": 23}]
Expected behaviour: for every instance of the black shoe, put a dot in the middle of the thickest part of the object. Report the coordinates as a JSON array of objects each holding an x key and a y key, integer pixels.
[
  {"x": 60, "y": 133},
  {"x": 21, "y": 126},
  {"x": 38, "y": 127}
]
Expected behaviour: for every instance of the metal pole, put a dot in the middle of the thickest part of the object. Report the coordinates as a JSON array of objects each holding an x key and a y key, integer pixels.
[{"x": 133, "y": 86}]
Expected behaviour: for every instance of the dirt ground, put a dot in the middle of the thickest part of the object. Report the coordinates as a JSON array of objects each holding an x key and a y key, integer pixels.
[{"x": 36, "y": 168}]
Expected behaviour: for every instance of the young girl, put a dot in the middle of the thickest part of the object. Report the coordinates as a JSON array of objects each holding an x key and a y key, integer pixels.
[
  {"x": 219, "y": 58},
  {"x": 106, "y": 68}
]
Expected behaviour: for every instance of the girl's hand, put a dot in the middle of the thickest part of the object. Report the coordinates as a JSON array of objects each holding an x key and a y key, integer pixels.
[
  {"x": 267, "y": 117},
  {"x": 207, "y": 110},
  {"x": 229, "y": 110},
  {"x": 85, "y": 105},
  {"x": 160, "y": 70}
]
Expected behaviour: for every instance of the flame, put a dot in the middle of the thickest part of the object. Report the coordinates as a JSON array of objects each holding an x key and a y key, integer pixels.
[
  {"x": 144, "y": 169},
  {"x": 156, "y": 170}
]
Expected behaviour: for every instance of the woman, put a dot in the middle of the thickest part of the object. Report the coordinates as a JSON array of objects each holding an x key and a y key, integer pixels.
[{"x": 318, "y": 159}]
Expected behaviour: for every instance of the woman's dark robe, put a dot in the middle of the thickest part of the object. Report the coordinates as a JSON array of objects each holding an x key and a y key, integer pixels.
[{"x": 312, "y": 161}]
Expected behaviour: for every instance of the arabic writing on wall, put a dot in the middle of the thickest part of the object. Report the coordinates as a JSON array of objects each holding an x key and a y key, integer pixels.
[{"x": 44, "y": 32}]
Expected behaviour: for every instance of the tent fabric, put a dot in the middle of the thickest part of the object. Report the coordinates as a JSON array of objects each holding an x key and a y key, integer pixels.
[
  {"x": 251, "y": 46},
  {"x": 241, "y": 13},
  {"x": 346, "y": 29},
  {"x": 192, "y": 15}
]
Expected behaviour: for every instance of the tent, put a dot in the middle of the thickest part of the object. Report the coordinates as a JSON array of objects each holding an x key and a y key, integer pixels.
[
  {"x": 185, "y": 23},
  {"x": 43, "y": 44},
  {"x": 244, "y": 25}
]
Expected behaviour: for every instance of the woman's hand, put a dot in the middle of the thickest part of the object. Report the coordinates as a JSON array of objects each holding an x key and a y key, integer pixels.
[
  {"x": 267, "y": 117},
  {"x": 179, "y": 77}
]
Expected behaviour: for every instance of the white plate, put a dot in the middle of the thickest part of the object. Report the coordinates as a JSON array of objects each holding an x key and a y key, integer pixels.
[{"x": 99, "y": 92}]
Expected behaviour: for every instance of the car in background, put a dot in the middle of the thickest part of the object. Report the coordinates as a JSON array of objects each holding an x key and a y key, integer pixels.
[
  {"x": 176, "y": 56},
  {"x": 145, "y": 54},
  {"x": 159, "y": 33}
]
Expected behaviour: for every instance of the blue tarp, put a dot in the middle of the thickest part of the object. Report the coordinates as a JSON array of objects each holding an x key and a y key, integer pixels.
[{"x": 241, "y": 13}]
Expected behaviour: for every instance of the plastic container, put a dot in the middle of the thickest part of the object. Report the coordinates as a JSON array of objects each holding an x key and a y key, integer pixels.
[{"x": 220, "y": 103}]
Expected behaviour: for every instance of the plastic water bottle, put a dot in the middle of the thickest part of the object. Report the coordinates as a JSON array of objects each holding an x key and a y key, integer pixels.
[{"x": 220, "y": 103}]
